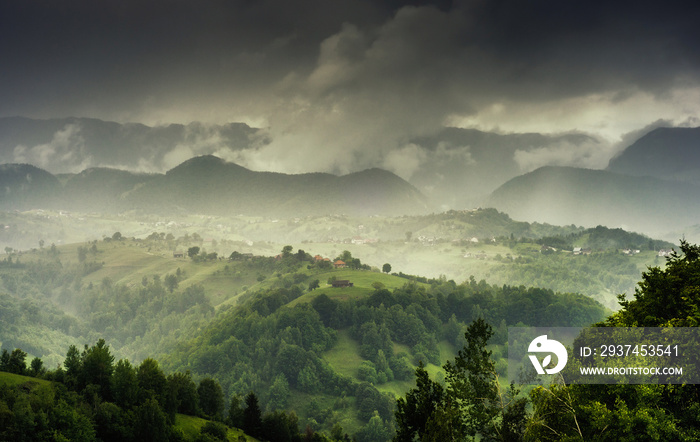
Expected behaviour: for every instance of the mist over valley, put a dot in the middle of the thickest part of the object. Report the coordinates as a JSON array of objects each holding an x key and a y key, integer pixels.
[{"x": 300, "y": 220}]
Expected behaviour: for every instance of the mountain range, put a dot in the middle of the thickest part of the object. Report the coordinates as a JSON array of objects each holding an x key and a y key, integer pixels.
[
  {"x": 653, "y": 186},
  {"x": 210, "y": 185},
  {"x": 568, "y": 195},
  {"x": 437, "y": 165},
  {"x": 666, "y": 153}
]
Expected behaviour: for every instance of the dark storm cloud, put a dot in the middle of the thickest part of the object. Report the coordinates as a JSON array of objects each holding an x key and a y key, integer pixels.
[
  {"x": 64, "y": 55},
  {"x": 349, "y": 84},
  {"x": 85, "y": 52},
  {"x": 577, "y": 47}
]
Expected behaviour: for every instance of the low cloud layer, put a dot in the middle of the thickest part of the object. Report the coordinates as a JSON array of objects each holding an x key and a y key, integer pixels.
[
  {"x": 589, "y": 155},
  {"x": 342, "y": 86},
  {"x": 64, "y": 153}
]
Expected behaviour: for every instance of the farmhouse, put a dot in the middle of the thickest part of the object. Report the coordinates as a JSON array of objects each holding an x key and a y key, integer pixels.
[
  {"x": 339, "y": 264},
  {"x": 178, "y": 255},
  {"x": 341, "y": 283}
]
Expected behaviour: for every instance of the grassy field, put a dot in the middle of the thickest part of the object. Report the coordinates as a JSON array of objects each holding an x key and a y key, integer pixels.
[
  {"x": 10, "y": 379},
  {"x": 362, "y": 280},
  {"x": 127, "y": 262},
  {"x": 191, "y": 426},
  {"x": 345, "y": 358}
]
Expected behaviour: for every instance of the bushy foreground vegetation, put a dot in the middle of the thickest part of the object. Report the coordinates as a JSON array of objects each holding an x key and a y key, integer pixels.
[
  {"x": 93, "y": 398},
  {"x": 472, "y": 404}
]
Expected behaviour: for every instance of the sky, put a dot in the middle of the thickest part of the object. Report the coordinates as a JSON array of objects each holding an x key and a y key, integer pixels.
[{"x": 346, "y": 84}]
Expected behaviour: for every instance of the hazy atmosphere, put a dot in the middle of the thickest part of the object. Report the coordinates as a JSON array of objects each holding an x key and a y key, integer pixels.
[
  {"x": 349, "y": 220},
  {"x": 347, "y": 85}
]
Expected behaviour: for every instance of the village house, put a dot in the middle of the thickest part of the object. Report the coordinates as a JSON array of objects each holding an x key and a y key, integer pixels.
[{"x": 339, "y": 264}]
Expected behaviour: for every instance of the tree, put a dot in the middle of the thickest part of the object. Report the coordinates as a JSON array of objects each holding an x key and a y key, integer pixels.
[
  {"x": 235, "y": 413},
  {"x": 211, "y": 399},
  {"x": 113, "y": 424},
  {"x": 337, "y": 433},
  {"x": 4, "y": 360},
  {"x": 326, "y": 307},
  {"x": 193, "y": 251},
  {"x": 668, "y": 297},
  {"x": 150, "y": 422},
  {"x": 375, "y": 430},
  {"x": 151, "y": 379},
  {"x": 14, "y": 362},
  {"x": 278, "y": 426},
  {"x": 471, "y": 406},
  {"x": 73, "y": 366},
  {"x": 252, "y": 416},
  {"x": 279, "y": 394},
  {"x": 475, "y": 391},
  {"x": 664, "y": 297},
  {"x": 421, "y": 402},
  {"x": 97, "y": 368},
  {"x": 124, "y": 384},
  {"x": 82, "y": 253},
  {"x": 307, "y": 379},
  {"x": 386, "y": 268},
  {"x": 184, "y": 390},
  {"x": 36, "y": 368},
  {"x": 171, "y": 282}
]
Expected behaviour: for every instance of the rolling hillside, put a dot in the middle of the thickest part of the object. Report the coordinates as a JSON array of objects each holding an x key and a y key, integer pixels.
[{"x": 238, "y": 319}]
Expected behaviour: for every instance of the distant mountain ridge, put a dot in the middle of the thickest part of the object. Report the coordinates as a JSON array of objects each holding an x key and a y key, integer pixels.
[
  {"x": 446, "y": 162},
  {"x": 568, "y": 195},
  {"x": 666, "y": 153},
  {"x": 210, "y": 185},
  {"x": 23, "y": 186}
]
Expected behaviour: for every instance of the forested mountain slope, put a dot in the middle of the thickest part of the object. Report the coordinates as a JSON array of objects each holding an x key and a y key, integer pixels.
[
  {"x": 565, "y": 195},
  {"x": 671, "y": 153},
  {"x": 211, "y": 186}
]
